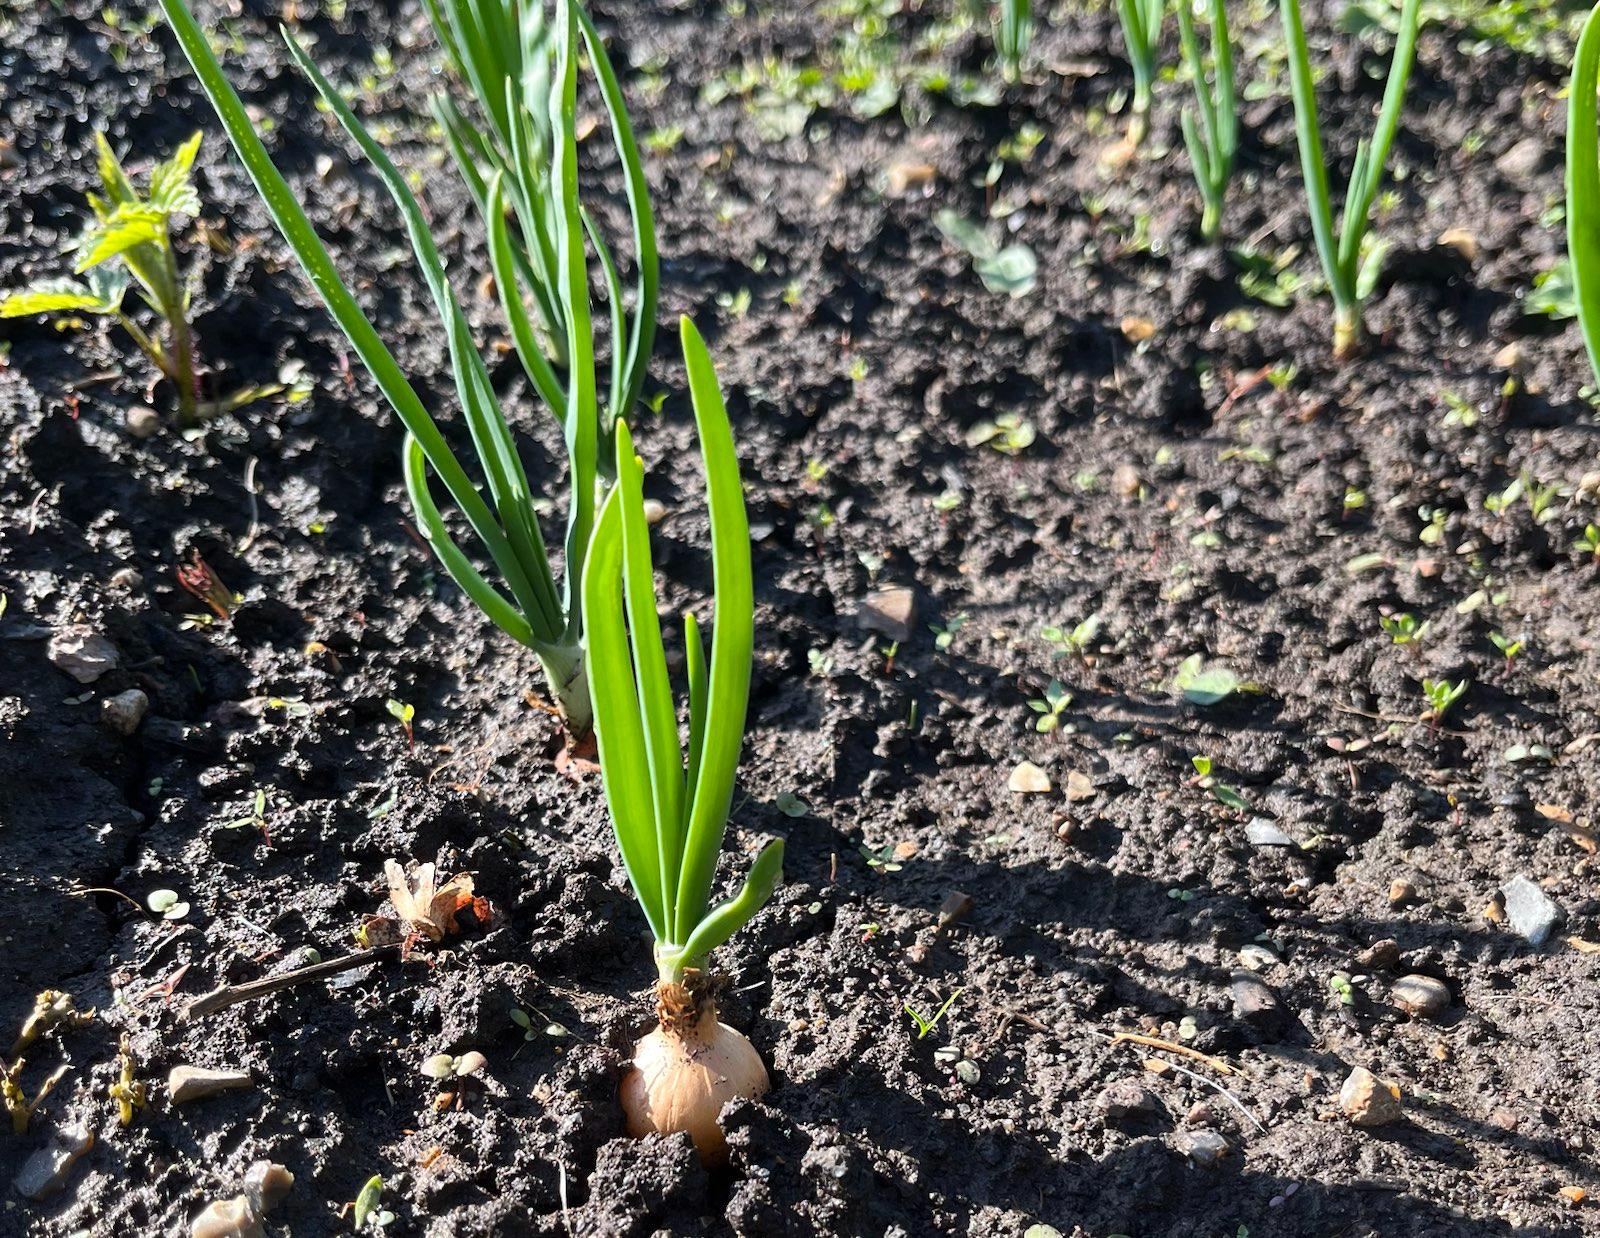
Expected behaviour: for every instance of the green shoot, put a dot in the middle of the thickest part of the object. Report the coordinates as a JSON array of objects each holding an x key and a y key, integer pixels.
[
  {"x": 1074, "y": 640},
  {"x": 1583, "y": 186},
  {"x": 505, "y": 52},
  {"x": 1403, "y": 629},
  {"x": 131, "y": 239},
  {"x": 1141, "y": 33},
  {"x": 1350, "y": 263},
  {"x": 1013, "y": 32},
  {"x": 404, "y": 714},
  {"x": 1589, "y": 542},
  {"x": 922, "y": 1022},
  {"x": 1050, "y": 707},
  {"x": 1214, "y": 140},
  {"x": 1440, "y": 695},
  {"x": 539, "y": 613},
  {"x": 1225, "y": 795},
  {"x": 1510, "y": 646},
  {"x": 670, "y": 808}
]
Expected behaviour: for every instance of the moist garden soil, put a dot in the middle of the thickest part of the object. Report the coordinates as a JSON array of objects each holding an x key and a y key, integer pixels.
[{"x": 1187, "y": 482}]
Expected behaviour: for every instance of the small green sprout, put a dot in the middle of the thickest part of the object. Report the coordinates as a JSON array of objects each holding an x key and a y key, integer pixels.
[
  {"x": 885, "y": 859},
  {"x": 944, "y": 637},
  {"x": 1339, "y": 985},
  {"x": 1589, "y": 542},
  {"x": 1541, "y": 498},
  {"x": 923, "y": 1024},
  {"x": 166, "y": 904},
  {"x": 1009, "y": 433},
  {"x": 1225, "y": 795},
  {"x": 368, "y": 1213},
  {"x": 1403, "y": 628},
  {"x": 1013, "y": 31},
  {"x": 1075, "y": 640},
  {"x": 1509, "y": 646},
  {"x": 404, "y": 714},
  {"x": 1050, "y": 708},
  {"x": 821, "y": 664},
  {"x": 1354, "y": 500},
  {"x": 135, "y": 233},
  {"x": 1440, "y": 695}
]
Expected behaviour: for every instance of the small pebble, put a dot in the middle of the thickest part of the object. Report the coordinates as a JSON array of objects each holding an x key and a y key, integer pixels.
[
  {"x": 1381, "y": 955},
  {"x": 45, "y": 1172},
  {"x": 1422, "y": 996},
  {"x": 143, "y": 422},
  {"x": 126, "y": 578},
  {"x": 1204, "y": 1147},
  {"x": 1254, "y": 1002},
  {"x": 1401, "y": 892},
  {"x": 1532, "y": 913},
  {"x": 1256, "y": 956},
  {"x": 655, "y": 511},
  {"x": 124, "y": 712},
  {"x": 1368, "y": 1100},
  {"x": 891, "y": 610},
  {"x": 1127, "y": 1098},
  {"x": 1263, "y": 832},
  {"x": 266, "y": 1185},
  {"x": 82, "y": 652},
  {"x": 228, "y": 1218},
  {"x": 186, "y": 1083}
]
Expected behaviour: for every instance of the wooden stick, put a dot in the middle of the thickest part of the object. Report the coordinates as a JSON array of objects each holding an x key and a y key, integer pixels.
[
  {"x": 233, "y": 994},
  {"x": 1155, "y": 1042}
]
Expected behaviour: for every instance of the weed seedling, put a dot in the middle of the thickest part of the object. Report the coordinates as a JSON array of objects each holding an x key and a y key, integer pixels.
[
  {"x": 1225, "y": 795},
  {"x": 1440, "y": 695},
  {"x": 1589, "y": 542},
  {"x": 1013, "y": 31},
  {"x": 131, "y": 240},
  {"x": 1404, "y": 628},
  {"x": 404, "y": 714},
  {"x": 1050, "y": 707},
  {"x": 944, "y": 637},
  {"x": 1509, "y": 646},
  {"x": 922, "y": 1023},
  {"x": 1075, "y": 640}
]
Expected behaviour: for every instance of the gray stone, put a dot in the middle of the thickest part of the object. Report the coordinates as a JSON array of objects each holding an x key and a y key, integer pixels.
[
  {"x": 1422, "y": 996},
  {"x": 1523, "y": 159},
  {"x": 143, "y": 422},
  {"x": 124, "y": 712},
  {"x": 1264, "y": 832},
  {"x": 45, "y": 1172},
  {"x": 891, "y": 610},
  {"x": 186, "y": 1083},
  {"x": 1204, "y": 1147},
  {"x": 1127, "y": 1098},
  {"x": 266, "y": 1185},
  {"x": 1255, "y": 956},
  {"x": 1531, "y": 912},
  {"x": 82, "y": 652},
  {"x": 1254, "y": 1002}
]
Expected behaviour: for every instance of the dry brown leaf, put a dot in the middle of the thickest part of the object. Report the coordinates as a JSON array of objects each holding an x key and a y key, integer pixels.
[
  {"x": 1554, "y": 812},
  {"x": 1583, "y": 947},
  {"x": 427, "y": 908}
]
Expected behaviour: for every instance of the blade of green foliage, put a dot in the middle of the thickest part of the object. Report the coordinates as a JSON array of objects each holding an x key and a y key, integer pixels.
[
  {"x": 1213, "y": 141},
  {"x": 1583, "y": 185},
  {"x": 1342, "y": 250},
  {"x": 732, "y": 634}
]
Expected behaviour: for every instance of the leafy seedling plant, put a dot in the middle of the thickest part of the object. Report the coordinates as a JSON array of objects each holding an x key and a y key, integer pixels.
[
  {"x": 669, "y": 806},
  {"x": 1404, "y": 628},
  {"x": 1225, "y": 795},
  {"x": 131, "y": 241},
  {"x": 1441, "y": 695},
  {"x": 1050, "y": 707},
  {"x": 1351, "y": 260},
  {"x": 538, "y": 613},
  {"x": 1213, "y": 140}
]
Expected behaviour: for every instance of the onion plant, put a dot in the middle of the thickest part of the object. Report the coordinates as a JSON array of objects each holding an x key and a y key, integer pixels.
[
  {"x": 1141, "y": 33},
  {"x": 1013, "y": 32},
  {"x": 1583, "y": 186},
  {"x": 1213, "y": 141},
  {"x": 1350, "y": 263},
  {"x": 131, "y": 239},
  {"x": 669, "y": 806},
  {"x": 533, "y": 609},
  {"x": 503, "y": 145}
]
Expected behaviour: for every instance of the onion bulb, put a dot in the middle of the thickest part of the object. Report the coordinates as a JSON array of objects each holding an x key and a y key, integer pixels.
[{"x": 686, "y": 1070}]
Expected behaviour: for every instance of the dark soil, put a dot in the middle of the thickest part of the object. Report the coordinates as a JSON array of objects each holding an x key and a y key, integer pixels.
[{"x": 1173, "y": 491}]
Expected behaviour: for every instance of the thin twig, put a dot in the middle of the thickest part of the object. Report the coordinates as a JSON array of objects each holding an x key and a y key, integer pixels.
[
  {"x": 1212, "y": 1083},
  {"x": 255, "y": 524},
  {"x": 1155, "y": 1042},
  {"x": 233, "y": 994}
]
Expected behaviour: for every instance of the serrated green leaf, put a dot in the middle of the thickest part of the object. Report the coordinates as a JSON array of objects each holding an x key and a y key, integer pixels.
[
  {"x": 128, "y": 227},
  {"x": 56, "y": 296},
  {"x": 171, "y": 189}
]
